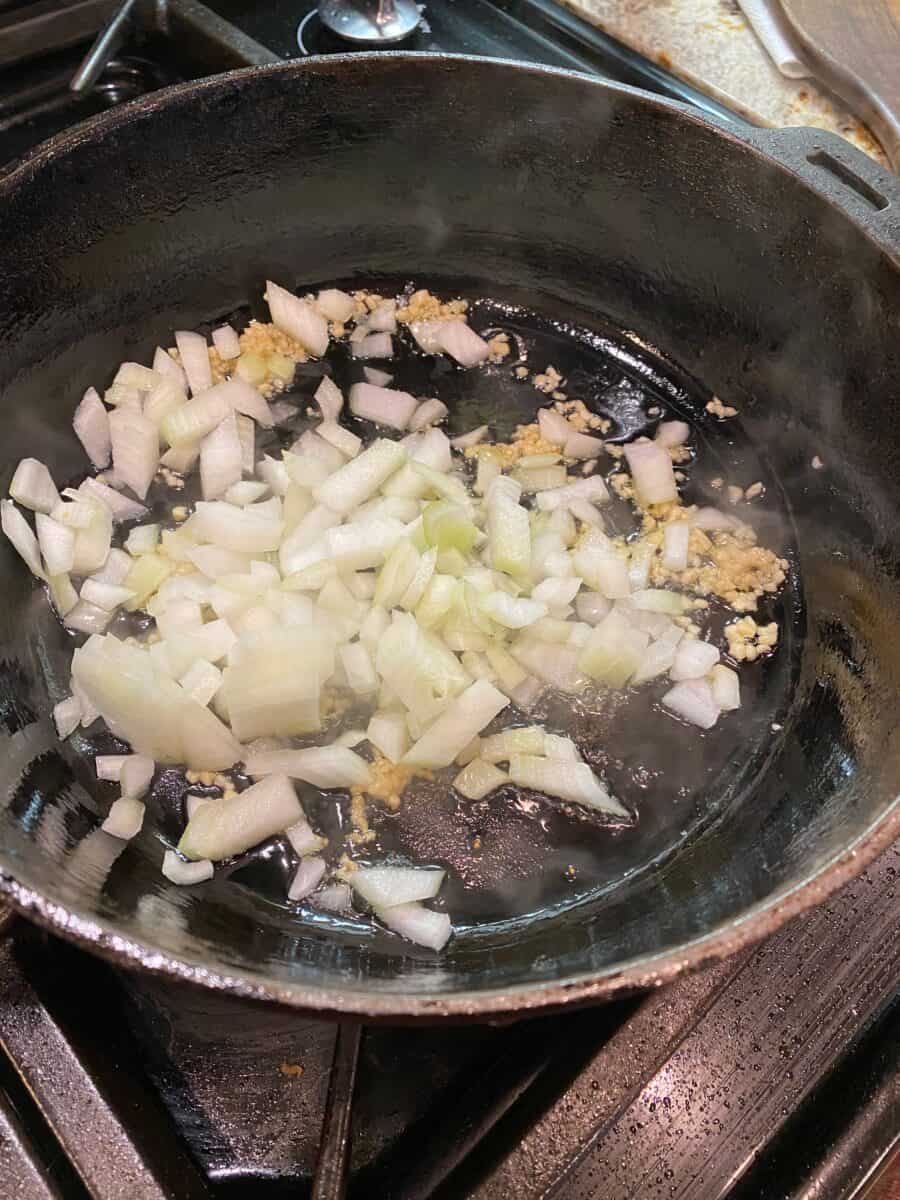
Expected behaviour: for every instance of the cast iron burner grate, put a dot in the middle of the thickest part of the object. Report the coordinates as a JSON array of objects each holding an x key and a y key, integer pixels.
[{"x": 772, "y": 1076}]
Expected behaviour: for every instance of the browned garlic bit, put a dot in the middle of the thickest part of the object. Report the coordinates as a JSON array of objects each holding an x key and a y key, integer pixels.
[{"x": 748, "y": 641}]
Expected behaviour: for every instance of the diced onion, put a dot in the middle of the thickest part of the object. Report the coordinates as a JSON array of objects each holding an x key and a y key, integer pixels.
[
  {"x": 226, "y": 342},
  {"x": 22, "y": 537},
  {"x": 672, "y": 433},
  {"x": 465, "y": 717},
  {"x": 322, "y": 766},
  {"x": 694, "y": 702},
  {"x": 429, "y": 412},
  {"x": 693, "y": 659},
  {"x": 478, "y": 778},
  {"x": 418, "y": 924},
  {"x": 460, "y": 341},
  {"x": 67, "y": 716},
  {"x": 176, "y": 870},
  {"x": 297, "y": 318},
  {"x": 335, "y": 305},
  {"x": 194, "y": 354},
  {"x": 374, "y": 345},
  {"x": 676, "y": 542},
  {"x": 385, "y": 887},
  {"x": 91, "y": 425},
  {"x": 384, "y": 406},
  {"x": 33, "y": 487},
  {"x": 307, "y": 878},
  {"x": 125, "y": 818},
  {"x": 572, "y": 781},
  {"x": 237, "y": 823},
  {"x": 652, "y": 472}
]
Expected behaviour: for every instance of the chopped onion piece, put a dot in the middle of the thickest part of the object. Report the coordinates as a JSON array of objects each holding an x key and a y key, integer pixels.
[
  {"x": 87, "y": 618},
  {"x": 556, "y": 593},
  {"x": 360, "y": 478},
  {"x": 672, "y": 433},
  {"x": 711, "y": 519},
  {"x": 726, "y": 687},
  {"x": 307, "y": 878},
  {"x": 91, "y": 425},
  {"x": 652, "y": 473},
  {"x": 135, "y": 775},
  {"x": 384, "y": 406},
  {"x": 385, "y": 887},
  {"x": 472, "y": 438},
  {"x": 336, "y": 305},
  {"x": 429, "y": 412},
  {"x": 387, "y": 732},
  {"x": 458, "y": 339},
  {"x": 383, "y": 318},
  {"x": 571, "y": 781},
  {"x": 512, "y": 613},
  {"x": 334, "y": 898},
  {"x": 554, "y": 427},
  {"x": 109, "y": 766},
  {"x": 176, "y": 870},
  {"x": 478, "y": 778},
  {"x": 339, "y": 437},
  {"x": 164, "y": 364},
  {"x": 121, "y": 507},
  {"x": 659, "y": 600},
  {"x": 417, "y": 924},
  {"x": 246, "y": 491},
  {"x": 693, "y": 659},
  {"x": 220, "y": 459},
  {"x": 322, "y": 766},
  {"x": 57, "y": 544},
  {"x": 195, "y": 362},
  {"x": 379, "y": 378},
  {"x": 107, "y": 596},
  {"x": 304, "y": 840},
  {"x": 245, "y": 530},
  {"x": 21, "y": 534},
  {"x": 237, "y": 823},
  {"x": 62, "y": 593},
  {"x": 676, "y": 541},
  {"x": 33, "y": 487},
  {"x": 125, "y": 818},
  {"x": 592, "y": 488},
  {"x": 201, "y": 680},
  {"x": 374, "y": 345},
  {"x": 189, "y": 423},
  {"x": 693, "y": 701},
  {"x": 463, "y": 718},
  {"x": 297, "y": 318},
  {"x": 226, "y": 342},
  {"x": 614, "y": 650},
  {"x": 582, "y": 446},
  {"x": 359, "y": 669},
  {"x": 67, "y": 716},
  {"x": 524, "y": 739},
  {"x": 135, "y": 449}
]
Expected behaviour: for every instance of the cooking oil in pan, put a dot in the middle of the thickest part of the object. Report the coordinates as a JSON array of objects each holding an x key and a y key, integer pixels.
[{"x": 516, "y": 854}]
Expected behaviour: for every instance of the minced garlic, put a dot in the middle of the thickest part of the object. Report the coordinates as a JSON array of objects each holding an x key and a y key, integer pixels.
[
  {"x": 720, "y": 410},
  {"x": 423, "y": 306},
  {"x": 748, "y": 641}
]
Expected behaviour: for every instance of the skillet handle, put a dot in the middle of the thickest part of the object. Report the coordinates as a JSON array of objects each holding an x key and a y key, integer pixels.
[{"x": 868, "y": 193}]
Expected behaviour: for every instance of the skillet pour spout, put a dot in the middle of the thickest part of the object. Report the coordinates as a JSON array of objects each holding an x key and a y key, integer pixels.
[{"x": 764, "y": 266}]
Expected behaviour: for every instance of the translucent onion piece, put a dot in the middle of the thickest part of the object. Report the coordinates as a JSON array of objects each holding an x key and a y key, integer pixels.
[
  {"x": 429, "y": 412},
  {"x": 418, "y": 924},
  {"x": 195, "y": 362},
  {"x": 125, "y": 818},
  {"x": 385, "y": 887},
  {"x": 176, "y": 870},
  {"x": 463, "y": 718},
  {"x": 236, "y": 823},
  {"x": 322, "y": 766},
  {"x": 478, "y": 779},
  {"x": 33, "y": 487},
  {"x": 335, "y": 305},
  {"x": 135, "y": 449},
  {"x": 672, "y": 433},
  {"x": 226, "y": 342},
  {"x": 694, "y": 702},
  {"x": 384, "y": 406},
  {"x": 572, "y": 781},
  {"x": 297, "y": 318},
  {"x": 91, "y": 425},
  {"x": 693, "y": 660},
  {"x": 57, "y": 544},
  {"x": 359, "y": 479},
  {"x": 652, "y": 472},
  {"x": 307, "y": 878},
  {"x": 67, "y": 716},
  {"x": 220, "y": 459},
  {"x": 22, "y": 537}
]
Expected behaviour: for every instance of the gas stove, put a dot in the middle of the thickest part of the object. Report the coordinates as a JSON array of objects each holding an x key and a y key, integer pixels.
[{"x": 771, "y": 1076}]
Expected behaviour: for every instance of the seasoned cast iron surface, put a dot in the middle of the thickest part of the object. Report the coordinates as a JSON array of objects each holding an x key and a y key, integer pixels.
[{"x": 591, "y": 206}]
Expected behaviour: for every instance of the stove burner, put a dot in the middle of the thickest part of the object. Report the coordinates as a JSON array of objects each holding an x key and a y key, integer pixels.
[
  {"x": 370, "y": 24},
  {"x": 314, "y": 36}
]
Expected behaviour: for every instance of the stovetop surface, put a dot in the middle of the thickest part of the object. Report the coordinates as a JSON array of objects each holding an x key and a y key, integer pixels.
[{"x": 773, "y": 1076}]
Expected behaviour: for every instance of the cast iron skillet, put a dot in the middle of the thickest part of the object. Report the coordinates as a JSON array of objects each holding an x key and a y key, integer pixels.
[{"x": 764, "y": 265}]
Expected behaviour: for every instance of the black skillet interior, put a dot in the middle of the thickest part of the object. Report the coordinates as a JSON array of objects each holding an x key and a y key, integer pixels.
[{"x": 605, "y": 213}]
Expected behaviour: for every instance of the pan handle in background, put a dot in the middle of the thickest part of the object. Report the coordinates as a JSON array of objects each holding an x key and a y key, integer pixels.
[
  {"x": 333, "y": 1162},
  {"x": 868, "y": 193}
]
